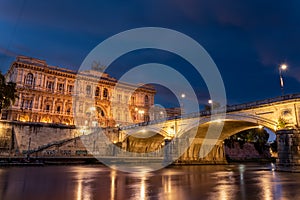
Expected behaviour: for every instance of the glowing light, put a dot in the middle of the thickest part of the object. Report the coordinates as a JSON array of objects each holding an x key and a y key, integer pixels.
[
  {"x": 283, "y": 67},
  {"x": 217, "y": 121},
  {"x": 183, "y": 95},
  {"x": 93, "y": 108},
  {"x": 112, "y": 186},
  {"x": 210, "y": 101},
  {"x": 143, "y": 188},
  {"x": 260, "y": 126}
]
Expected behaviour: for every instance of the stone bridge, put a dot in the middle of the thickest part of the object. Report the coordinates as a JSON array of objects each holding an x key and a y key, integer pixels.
[{"x": 281, "y": 113}]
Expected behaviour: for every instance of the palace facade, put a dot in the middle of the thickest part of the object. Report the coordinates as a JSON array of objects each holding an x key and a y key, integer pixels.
[{"x": 52, "y": 94}]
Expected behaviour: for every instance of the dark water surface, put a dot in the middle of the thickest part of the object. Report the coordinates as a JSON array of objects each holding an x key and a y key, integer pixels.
[{"x": 238, "y": 181}]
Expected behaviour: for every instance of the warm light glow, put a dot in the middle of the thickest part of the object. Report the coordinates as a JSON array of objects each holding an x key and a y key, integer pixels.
[
  {"x": 135, "y": 109},
  {"x": 112, "y": 186},
  {"x": 217, "y": 120},
  {"x": 143, "y": 188},
  {"x": 260, "y": 126},
  {"x": 283, "y": 67},
  {"x": 93, "y": 108},
  {"x": 210, "y": 101},
  {"x": 141, "y": 112}
]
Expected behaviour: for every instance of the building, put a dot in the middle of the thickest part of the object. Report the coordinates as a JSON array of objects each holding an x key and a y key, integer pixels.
[
  {"x": 158, "y": 112},
  {"x": 52, "y": 94}
]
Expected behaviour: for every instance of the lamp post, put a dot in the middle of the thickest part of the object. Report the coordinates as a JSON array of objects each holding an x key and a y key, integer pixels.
[
  {"x": 282, "y": 67},
  {"x": 182, "y": 104}
]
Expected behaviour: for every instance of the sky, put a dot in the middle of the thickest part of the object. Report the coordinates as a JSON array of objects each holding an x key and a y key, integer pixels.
[{"x": 247, "y": 40}]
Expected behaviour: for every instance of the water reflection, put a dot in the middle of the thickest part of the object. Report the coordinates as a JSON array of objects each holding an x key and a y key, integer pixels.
[
  {"x": 113, "y": 186},
  {"x": 84, "y": 178},
  {"x": 181, "y": 182}
]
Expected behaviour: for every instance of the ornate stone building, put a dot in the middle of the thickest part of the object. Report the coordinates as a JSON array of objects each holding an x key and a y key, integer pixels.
[{"x": 52, "y": 94}]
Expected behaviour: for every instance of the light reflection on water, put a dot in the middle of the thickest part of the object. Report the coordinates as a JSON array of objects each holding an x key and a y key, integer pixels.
[{"x": 181, "y": 182}]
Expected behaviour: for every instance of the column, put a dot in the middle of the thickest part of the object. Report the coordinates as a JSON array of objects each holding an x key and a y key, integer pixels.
[
  {"x": 55, "y": 84},
  {"x": 20, "y": 100},
  {"x": 288, "y": 145},
  {"x": 39, "y": 103},
  {"x": 41, "y": 80},
  {"x": 66, "y": 87},
  {"x": 22, "y": 77},
  {"x": 53, "y": 105}
]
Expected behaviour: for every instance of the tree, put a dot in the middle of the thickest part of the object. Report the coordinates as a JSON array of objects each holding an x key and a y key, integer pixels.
[{"x": 7, "y": 93}]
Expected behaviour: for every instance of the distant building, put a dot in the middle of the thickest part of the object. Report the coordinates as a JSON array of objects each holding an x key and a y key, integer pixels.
[
  {"x": 172, "y": 112},
  {"x": 57, "y": 95},
  {"x": 157, "y": 112}
]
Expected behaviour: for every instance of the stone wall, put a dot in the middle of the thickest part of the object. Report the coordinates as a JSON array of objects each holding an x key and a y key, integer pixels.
[{"x": 33, "y": 135}]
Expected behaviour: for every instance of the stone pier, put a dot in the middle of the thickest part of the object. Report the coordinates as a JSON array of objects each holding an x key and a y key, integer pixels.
[{"x": 288, "y": 142}]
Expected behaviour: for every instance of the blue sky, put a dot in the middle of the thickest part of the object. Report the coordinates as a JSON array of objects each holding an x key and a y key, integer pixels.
[{"x": 247, "y": 40}]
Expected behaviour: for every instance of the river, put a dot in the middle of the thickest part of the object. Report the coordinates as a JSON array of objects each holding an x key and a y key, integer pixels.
[{"x": 234, "y": 181}]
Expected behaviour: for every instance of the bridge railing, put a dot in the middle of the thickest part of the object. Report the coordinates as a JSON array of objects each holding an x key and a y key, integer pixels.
[
  {"x": 262, "y": 102},
  {"x": 204, "y": 113}
]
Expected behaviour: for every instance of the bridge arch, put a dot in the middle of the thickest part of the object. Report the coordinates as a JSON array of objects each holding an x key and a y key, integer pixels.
[{"x": 233, "y": 123}]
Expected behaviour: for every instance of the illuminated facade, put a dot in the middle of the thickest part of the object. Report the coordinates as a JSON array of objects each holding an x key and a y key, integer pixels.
[{"x": 57, "y": 95}]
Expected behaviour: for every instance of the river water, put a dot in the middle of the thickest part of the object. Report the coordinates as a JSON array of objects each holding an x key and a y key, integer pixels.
[{"x": 236, "y": 181}]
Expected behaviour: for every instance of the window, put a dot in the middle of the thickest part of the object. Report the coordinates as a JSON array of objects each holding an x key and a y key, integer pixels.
[
  {"x": 48, "y": 107},
  {"x": 105, "y": 93},
  {"x": 88, "y": 90},
  {"x": 29, "y": 79},
  {"x": 60, "y": 87},
  {"x": 50, "y": 85},
  {"x": 58, "y": 109},
  {"x": 146, "y": 99},
  {"x": 132, "y": 100},
  {"x": 70, "y": 88},
  {"x": 27, "y": 104},
  {"x": 97, "y": 91}
]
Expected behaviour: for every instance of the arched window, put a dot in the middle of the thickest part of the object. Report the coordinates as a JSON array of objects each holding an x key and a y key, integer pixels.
[
  {"x": 58, "y": 109},
  {"x": 146, "y": 99},
  {"x": 97, "y": 91},
  {"x": 105, "y": 93},
  {"x": 68, "y": 110},
  {"x": 47, "y": 108},
  {"x": 29, "y": 79}
]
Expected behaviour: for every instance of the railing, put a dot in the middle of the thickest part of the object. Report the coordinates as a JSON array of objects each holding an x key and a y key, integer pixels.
[{"x": 228, "y": 109}]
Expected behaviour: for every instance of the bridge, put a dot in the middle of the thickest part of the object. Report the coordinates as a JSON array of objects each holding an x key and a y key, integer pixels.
[
  {"x": 276, "y": 114},
  {"x": 190, "y": 138}
]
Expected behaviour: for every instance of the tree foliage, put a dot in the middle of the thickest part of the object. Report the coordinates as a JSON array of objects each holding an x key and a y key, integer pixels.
[
  {"x": 7, "y": 93},
  {"x": 281, "y": 123},
  {"x": 259, "y": 137}
]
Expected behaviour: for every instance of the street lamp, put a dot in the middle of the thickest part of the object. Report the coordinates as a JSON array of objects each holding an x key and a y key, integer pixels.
[
  {"x": 282, "y": 68},
  {"x": 210, "y": 101},
  {"x": 182, "y": 104}
]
